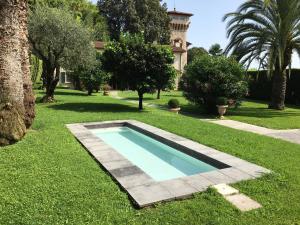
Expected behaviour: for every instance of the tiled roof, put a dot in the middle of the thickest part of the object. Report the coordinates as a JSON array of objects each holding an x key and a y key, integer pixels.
[{"x": 174, "y": 12}]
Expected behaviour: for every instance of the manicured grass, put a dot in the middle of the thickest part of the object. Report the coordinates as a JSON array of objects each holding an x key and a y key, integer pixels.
[
  {"x": 257, "y": 113},
  {"x": 251, "y": 112},
  {"x": 49, "y": 178}
]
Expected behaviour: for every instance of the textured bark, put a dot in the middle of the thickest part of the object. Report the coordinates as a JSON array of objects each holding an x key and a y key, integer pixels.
[
  {"x": 278, "y": 90},
  {"x": 12, "y": 125},
  {"x": 29, "y": 99},
  {"x": 50, "y": 81},
  {"x": 141, "y": 96},
  {"x": 158, "y": 93}
]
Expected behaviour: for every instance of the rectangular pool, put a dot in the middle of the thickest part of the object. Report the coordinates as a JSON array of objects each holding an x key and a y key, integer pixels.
[{"x": 160, "y": 161}]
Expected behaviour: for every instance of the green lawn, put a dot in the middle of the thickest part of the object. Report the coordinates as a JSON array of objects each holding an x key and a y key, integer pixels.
[
  {"x": 49, "y": 178},
  {"x": 250, "y": 112}
]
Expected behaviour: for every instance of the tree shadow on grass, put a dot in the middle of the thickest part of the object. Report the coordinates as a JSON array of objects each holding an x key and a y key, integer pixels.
[
  {"x": 261, "y": 112},
  {"x": 64, "y": 93},
  {"x": 94, "y": 107}
]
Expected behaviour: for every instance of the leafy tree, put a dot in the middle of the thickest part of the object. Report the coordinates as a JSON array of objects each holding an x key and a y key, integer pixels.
[
  {"x": 164, "y": 73},
  {"x": 82, "y": 10},
  {"x": 266, "y": 30},
  {"x": 209, "y": 77},
  {"x": 137, "y": 16},
  {"x": 215, "y": 50},
  {"x": 195, "y": 52},
  {"x": 135, "y": 65},
  {"x": 94, "y": 77},
  {"x": 58, "y": 40}
]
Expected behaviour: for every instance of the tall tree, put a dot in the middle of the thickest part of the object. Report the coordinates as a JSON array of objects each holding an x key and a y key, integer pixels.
[
  {"x": 12, "y": 111},
  {"x": 266, "y": 30},
  {"x": 58, "y": 40},
  {"x": 137, "y": 16}
]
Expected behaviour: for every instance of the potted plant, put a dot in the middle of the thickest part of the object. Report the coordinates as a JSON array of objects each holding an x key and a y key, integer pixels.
[
  {"x": 222, "y": 105},
  {"x": 106, "y": 89},
  {"x": 174, "y": 105}
]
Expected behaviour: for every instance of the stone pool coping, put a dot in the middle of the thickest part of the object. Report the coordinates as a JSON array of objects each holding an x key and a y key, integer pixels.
[{"x": 141, "y": 187}]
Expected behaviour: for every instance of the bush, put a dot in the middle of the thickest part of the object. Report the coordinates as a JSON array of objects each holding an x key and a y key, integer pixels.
[
  {"x": 222, "y": 101},
  {"x": 173, "y": 103},
  {"x": 208, "y": 78}
]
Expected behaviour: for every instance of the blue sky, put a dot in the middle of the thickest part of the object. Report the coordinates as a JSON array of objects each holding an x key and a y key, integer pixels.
[{"x": 207, "y": 27}]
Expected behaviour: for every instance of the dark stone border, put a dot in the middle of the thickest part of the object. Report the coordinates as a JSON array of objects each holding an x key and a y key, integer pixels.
[{"x": 141, "y": 187}]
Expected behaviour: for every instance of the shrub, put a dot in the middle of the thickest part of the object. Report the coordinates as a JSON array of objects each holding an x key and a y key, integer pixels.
[
  {"x": 173, "y": 103},
  {"x": 208, "y": 78},
  {"x": 222, "y": 101},
  {"x": 106, "y": 87}
]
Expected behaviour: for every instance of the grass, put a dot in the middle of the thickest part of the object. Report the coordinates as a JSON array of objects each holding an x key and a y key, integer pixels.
[
  {"x": 48, "y": 177},
  {"x": 252, "y": 112}
]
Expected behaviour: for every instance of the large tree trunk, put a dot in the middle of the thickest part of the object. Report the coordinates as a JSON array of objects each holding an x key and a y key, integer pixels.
[
  {"x": 278, "y": 90},
  {"x": 29, "y": 99},
  {"x": 12, "y": 112},
  {"x": 50, "y": 81}
]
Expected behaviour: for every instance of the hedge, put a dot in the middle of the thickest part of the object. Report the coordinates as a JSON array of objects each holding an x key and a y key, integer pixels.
[{"x": 260, "y": 86}]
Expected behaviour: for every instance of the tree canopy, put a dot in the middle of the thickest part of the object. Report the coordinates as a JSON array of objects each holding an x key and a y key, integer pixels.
[
  {"x": 195, "y": 52},
  {"x": 139, "y": 66},
  {"x": 208, "y": 78},
  {"x": 59, "y": 40},
  {"x": 137, "y": 16},
  {"x": 82, "y": 10}
]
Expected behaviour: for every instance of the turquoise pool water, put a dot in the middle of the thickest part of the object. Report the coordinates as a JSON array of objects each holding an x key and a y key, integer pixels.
[{"x": 159, "y": 161}]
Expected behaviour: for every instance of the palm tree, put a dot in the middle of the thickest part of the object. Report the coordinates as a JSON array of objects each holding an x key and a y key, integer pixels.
[
  {"x": 268, "y": 30},
  {"x": 12, "y": 110},
  {"x": 215, "y": 50}
]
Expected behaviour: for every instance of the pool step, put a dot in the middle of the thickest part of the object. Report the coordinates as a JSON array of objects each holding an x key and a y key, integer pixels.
[{"x": 241, "y": 201}]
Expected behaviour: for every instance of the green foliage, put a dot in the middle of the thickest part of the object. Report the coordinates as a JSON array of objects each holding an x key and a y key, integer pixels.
[
  {"x": 173, "y": 103},
  {"x": 267, "y": 31},
  {"x": 82, "y": 10},
  {"x": 195, "y": 52},
  {"x": 137, "y": 16},
  {"x": 35, "y": 69},
  {"x": 138, "y": 66},
  {"x": 260, "y": 86},
  {"x": 94, "y": 78},
  {"x": 215, "y": 50},
  {"x": 70, "y": 42},
  {"x": 208, "y": 78},
  {"x": 222, "y": 101}
]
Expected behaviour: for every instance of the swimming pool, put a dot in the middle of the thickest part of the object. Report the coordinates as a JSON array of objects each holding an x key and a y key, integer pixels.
[
  {"x": 153, "y": 165},
  {"x": 158, "y": 160}
]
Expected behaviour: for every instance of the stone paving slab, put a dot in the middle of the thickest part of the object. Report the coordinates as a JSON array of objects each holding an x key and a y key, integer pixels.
[
  {"x": 242, "y": 202},
  {"x": 287, "y": 135},
  {"x": 143, "y": 189}
]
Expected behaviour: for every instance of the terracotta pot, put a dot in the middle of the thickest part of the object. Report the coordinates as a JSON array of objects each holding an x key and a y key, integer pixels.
[
  {"x": 222, "y": 110},
  {"x": 175, "y": 110}
]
